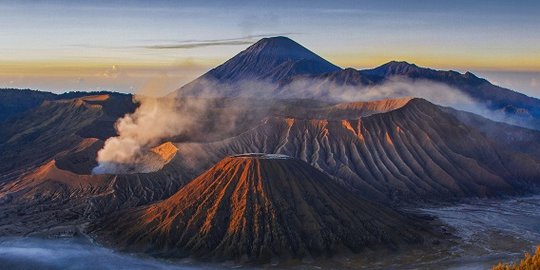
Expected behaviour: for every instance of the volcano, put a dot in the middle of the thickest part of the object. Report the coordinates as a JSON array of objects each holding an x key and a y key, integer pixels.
[
  {"x": 271, "y": 58},
  {"x": 258, "y": 207},
  {"x": 268, "y": 60}
]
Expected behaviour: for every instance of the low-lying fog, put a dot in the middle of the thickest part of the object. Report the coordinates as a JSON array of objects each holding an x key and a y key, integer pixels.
[
  {"x": 73, "y": 254},
  {"x": 490, "y": 231}
]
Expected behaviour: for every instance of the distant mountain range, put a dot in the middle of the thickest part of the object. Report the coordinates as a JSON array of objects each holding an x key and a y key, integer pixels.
[{"x": 257, "y": 71}]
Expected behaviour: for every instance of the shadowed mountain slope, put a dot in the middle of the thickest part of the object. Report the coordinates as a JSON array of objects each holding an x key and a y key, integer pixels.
[
  {"x": 16, "y": 101},
  {"x": 271, "y": 58},
  {"x": 41, "y": 133},
  {"x": 268, "y": 60},
  {"x": 256, "y": 207},
  {"x": 513, "y": 137},
  {"x": 525, "y": 110}
]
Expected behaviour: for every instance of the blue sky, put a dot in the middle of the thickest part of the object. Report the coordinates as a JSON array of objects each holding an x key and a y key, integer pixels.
[{"x": 60, "y": 45}]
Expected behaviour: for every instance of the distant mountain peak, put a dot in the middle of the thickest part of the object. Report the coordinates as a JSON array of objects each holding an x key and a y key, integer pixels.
[
  {"x": 396, "y": 68},
  {"x": 281, "y": 46},
  {"x": 471, "y": 75},
  {"x": 350, "y": 70},
  {"x": 268, "y": 58},
  {"x": 400, "y": 63},
  {"x": 405, "y": 68},
  {"x": 278, "y": 41}
]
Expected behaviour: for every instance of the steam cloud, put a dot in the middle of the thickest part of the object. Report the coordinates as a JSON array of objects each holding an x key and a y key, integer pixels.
[
  {"x": 318, "y": 89},
  {"x": 437, "y": 93},
  {"x": 154, "y": 119},
  {"x": 157, "y": 119}
]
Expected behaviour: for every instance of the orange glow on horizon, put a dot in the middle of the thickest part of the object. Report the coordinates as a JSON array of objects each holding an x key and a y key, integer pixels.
[
  {"x": 359, "y": 61},
  {"x": 126, "y": 75}
]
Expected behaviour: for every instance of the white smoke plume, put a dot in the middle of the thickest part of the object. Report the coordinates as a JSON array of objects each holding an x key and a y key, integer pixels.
[
  {"x": 157, "y": 119},
  {"x": 154, "y": 119},
  {"x": 437, "y": 93},
  {"x": 319, "y": 89}
]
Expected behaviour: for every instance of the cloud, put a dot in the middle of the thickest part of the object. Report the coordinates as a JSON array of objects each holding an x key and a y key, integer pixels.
[
  {"x": 321, "y": 89},
  {"x": 199, "y": 44},
  {"x": 534, "y": 82},
  {"x": 154, "y": 119},
  {"x": 35, "y": 253},
  {"x": 112, "y": 72},
  {"x": 190, "y": 44}
]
